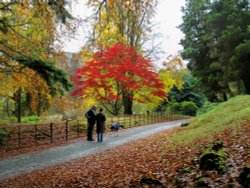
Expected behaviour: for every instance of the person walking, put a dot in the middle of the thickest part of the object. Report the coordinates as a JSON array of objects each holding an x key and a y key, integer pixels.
[
  {"x": 100, "y": 125},
  {"x": 91, "y": 116}
]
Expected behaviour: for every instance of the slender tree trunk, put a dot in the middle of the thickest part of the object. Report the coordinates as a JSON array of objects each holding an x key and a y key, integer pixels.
[
  {"x": 28, "y": 103},
  {"x": 39, "y": 106},
  {"x": 7, "y": 107},
  {"x": 245, "y": 72},
  {"x": 18, "y": 100},
  {"x": 224, "y": 96},
  {"x": 246, "y": 81},
  {"x": 127, "y": 103}
]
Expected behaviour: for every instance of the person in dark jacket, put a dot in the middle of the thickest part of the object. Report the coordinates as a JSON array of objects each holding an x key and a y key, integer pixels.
[
  {"x": 100, "y": 125},
  {"x": 91, "y": 116}
]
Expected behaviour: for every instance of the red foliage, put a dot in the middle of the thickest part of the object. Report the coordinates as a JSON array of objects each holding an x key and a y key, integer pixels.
[{"x": 115, "y": 69}]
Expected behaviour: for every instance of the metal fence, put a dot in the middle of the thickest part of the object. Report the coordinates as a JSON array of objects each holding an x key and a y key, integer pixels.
[{"x": 27, "y": 135}]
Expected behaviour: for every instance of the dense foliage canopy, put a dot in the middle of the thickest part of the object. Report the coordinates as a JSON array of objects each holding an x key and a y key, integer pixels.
[
  {"x": 123, "y": 21},
  {"x": 28, "y": 55},
  {"x": 118, "y": 69},
  {"x": 216, "y": 43}
]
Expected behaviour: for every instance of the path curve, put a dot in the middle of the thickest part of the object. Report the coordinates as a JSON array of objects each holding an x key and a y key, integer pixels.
[{"x": 25, "y": 163}]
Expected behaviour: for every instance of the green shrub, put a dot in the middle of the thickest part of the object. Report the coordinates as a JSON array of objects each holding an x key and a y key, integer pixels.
[
  {"x": 30, "y": 119},
  {"x": 207, "y": 107},
  {"x": 189, "y": 108},
  {"x": 11, "y": 119},
  {"x": 3, "y": 136},
  {"x": 185, "y": 107}
]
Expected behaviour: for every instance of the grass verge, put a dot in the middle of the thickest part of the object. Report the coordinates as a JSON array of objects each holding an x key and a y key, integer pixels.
[{"x": 231, "y": 114}]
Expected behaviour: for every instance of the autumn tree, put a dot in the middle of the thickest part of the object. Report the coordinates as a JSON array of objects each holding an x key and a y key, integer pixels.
[
  {"x": 114, "y": 71},
  {"x": 126, "y": 21},
  {"x": 27, "y": 53}
]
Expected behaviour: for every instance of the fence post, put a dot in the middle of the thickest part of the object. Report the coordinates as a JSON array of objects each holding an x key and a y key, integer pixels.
[
  {"x": 78, "y": 127},
  {"x": 144, "y": 119},
  {"x": 35, "y": 136},
  {"x": 51, "y": 132},
  {"x": 135, "y": 120},
  {"x": 124, "y": 121},
  {"x": 66, "y": 130},
  {"x": 19, "y": 135}
]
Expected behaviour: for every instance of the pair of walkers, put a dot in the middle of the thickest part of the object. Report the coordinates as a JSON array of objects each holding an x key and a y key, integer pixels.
[{"x": 98, "y": 119}]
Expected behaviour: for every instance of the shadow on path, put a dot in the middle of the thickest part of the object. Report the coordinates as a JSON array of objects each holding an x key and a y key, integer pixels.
[{"x": 25, "y": 163}]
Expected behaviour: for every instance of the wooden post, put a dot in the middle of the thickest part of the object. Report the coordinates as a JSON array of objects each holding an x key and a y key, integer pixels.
[
  {"x": 19, "y": 135},
  {"x": 129, "y": 120},
  {"x": 135, "y": 119},
  {"x": 51, "y": 132},
  {"x": 35, "y": 136},
  {"x": 143, "y": 119},
  {"x": 124, "y": 121},
  {"x": 19, "y": 105},
  {"x": 66, "y": 130},
  {"x": 78, "y": 127}
]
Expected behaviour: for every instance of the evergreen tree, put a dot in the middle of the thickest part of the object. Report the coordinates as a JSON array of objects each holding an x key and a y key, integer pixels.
[{"x": 215, "y": 43}]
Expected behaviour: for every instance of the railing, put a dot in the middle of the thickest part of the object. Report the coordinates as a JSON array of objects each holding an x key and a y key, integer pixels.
[{"x": 27, "y": 135}]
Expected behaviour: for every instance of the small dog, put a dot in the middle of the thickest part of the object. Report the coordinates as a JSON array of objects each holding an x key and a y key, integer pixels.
[{"x": 115, "y": 127}]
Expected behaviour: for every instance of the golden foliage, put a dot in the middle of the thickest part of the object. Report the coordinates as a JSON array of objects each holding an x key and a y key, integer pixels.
[{"x": 31, "y": 34}]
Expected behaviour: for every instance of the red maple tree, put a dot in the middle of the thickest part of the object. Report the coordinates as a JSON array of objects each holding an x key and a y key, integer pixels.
[{"x": 116, "y": 71}]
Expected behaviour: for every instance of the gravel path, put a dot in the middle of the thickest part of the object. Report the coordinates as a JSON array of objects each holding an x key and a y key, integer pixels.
[{"x": 25, "y": 163}]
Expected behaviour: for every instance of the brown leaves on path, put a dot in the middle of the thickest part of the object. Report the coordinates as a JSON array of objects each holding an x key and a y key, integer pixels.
[{"x": 124, "y": 166}]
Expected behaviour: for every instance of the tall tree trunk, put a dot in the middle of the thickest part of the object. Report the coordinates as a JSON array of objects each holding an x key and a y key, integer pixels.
[
  {"x": 7, "y": 107},
  {"x": 246, "y": 81},
  {"x": 224, "y": 96},
  {"x": 39, "y": 106},
  {"x": 18, "y": 100},
  {"x": 127, "y": 103},
  {"x": 28, "y": 103}
]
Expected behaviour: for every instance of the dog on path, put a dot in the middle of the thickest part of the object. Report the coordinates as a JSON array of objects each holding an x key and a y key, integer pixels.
[{"x": 115, "y": 127}]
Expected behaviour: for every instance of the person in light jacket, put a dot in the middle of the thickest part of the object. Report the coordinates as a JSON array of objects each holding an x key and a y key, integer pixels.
[{"x": 100, "y": 125}]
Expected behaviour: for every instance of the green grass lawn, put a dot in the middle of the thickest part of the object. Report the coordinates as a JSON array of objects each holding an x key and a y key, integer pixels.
[{"x": 232, "y": 113}]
